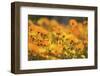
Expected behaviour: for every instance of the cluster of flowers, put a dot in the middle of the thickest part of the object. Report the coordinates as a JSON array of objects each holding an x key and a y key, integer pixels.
[{"x": 48, "y": 39}]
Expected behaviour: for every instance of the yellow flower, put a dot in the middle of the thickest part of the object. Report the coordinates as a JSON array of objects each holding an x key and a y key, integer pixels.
[
  {"x": 83, "y": 56},
  {"x": 73, "y": 51},
  {"x": 43, "y": 21}
]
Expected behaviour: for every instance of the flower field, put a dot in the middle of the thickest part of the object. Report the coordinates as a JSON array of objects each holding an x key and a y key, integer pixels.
[{"x": 51, "y": 39}]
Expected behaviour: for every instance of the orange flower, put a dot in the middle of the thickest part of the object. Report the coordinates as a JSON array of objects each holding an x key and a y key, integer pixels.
[
  {"x": 44, "y": 42},
  {"x": 74, "y": 27},
  {"x": 59, "y": 47},
  {"x": 33, "y": 48},
  {"x": 36, "y": 28},
  {"x": 80, "y": 46},
  {"x": 73, "y": 22},
  {"x": 76, "y": 31}
]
